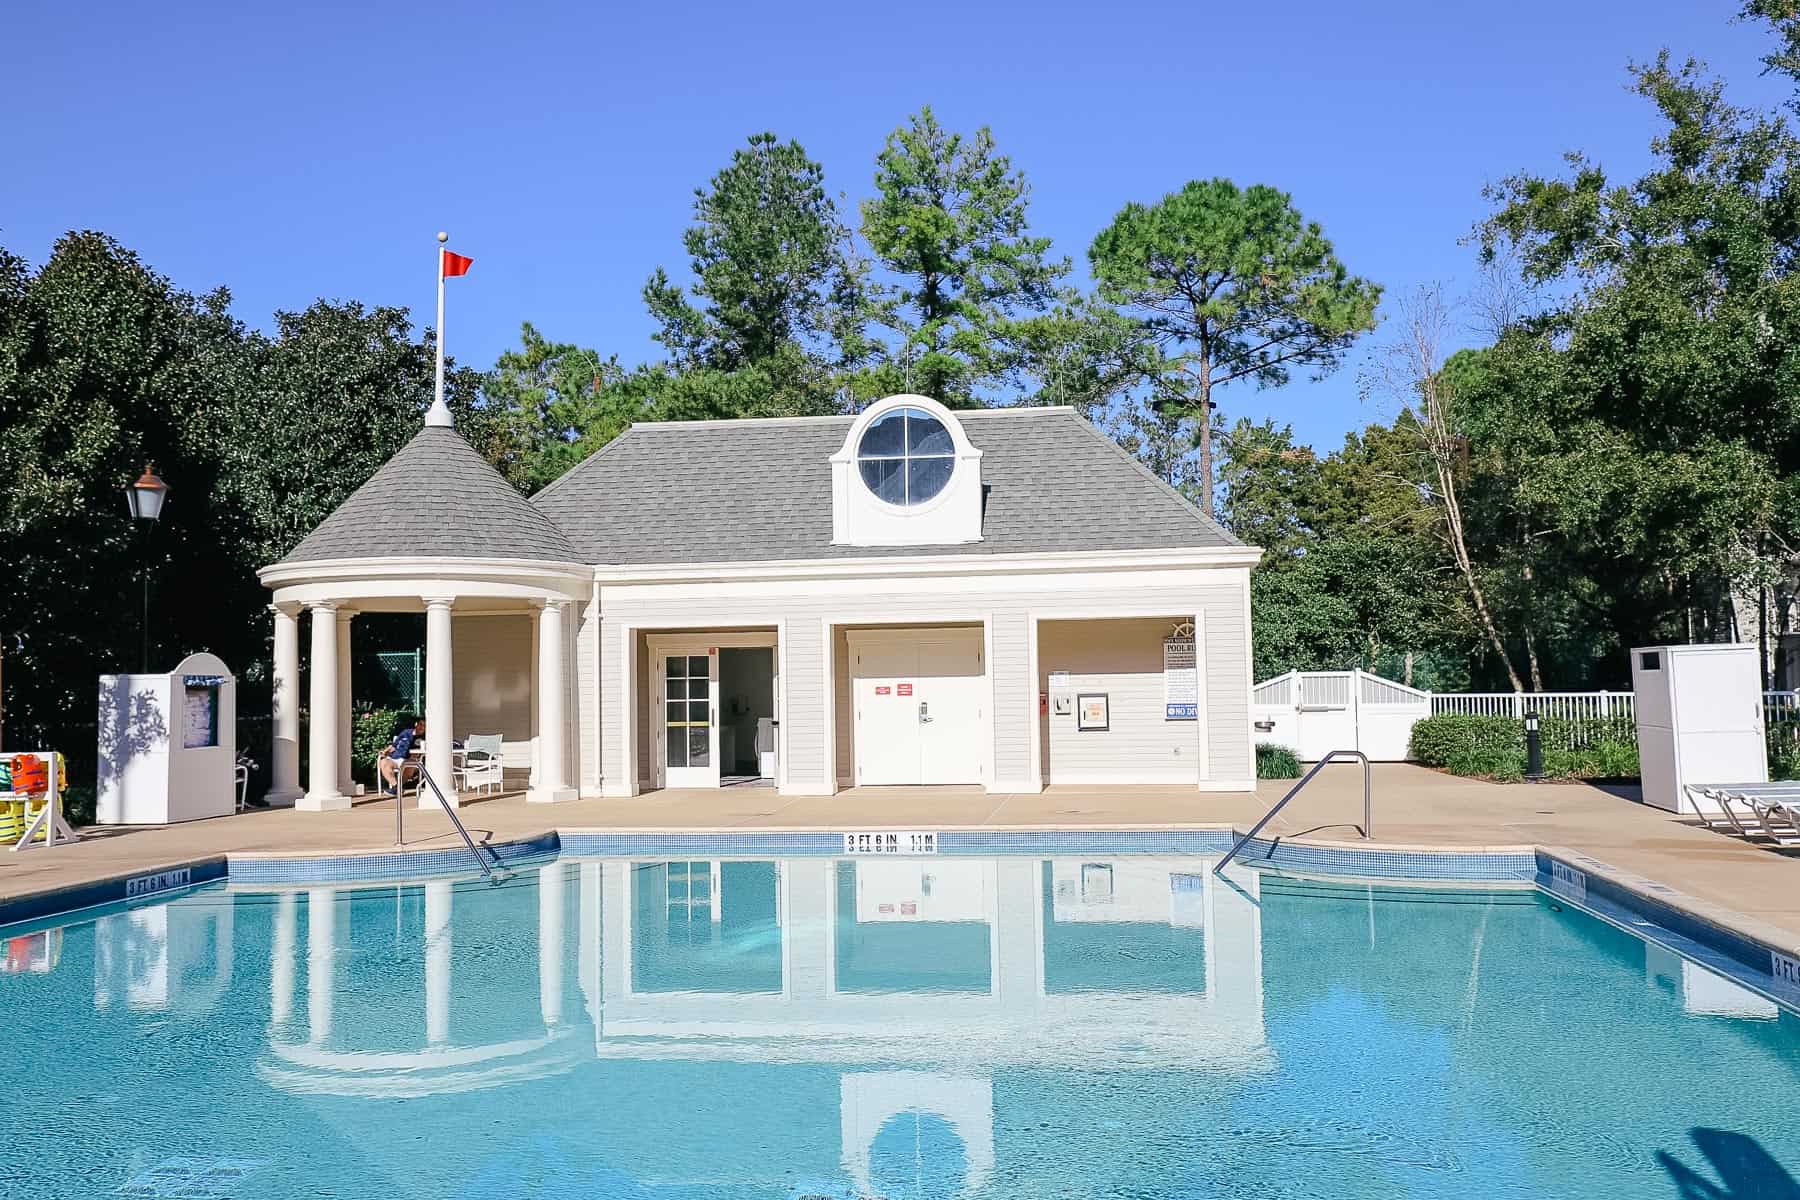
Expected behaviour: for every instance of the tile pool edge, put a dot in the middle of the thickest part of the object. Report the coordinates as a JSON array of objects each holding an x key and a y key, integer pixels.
[
  {"x": 141, "y": 883},
  {"x": 381, "y": 866},
  {"x": 1743, "y": 948},
  {"x": 1719, "y": 937}
]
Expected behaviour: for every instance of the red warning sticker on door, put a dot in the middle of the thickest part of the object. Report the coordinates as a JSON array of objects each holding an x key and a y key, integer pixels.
[
  {"x": 906, "y": 689},
  {"x": 882, "y": 689}
]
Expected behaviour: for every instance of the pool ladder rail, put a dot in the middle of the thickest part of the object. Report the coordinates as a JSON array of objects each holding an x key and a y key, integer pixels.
[
  {"x": 481, "y": 860},
  {"x": 1367, "y": 829}
]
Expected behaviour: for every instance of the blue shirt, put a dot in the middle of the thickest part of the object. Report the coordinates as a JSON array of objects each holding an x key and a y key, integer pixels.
[{"x": 402, "y": 743}]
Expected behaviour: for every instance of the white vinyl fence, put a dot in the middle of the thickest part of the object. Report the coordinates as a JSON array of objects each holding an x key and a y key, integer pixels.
[
  {"x": 1565, "y": 706},
  {"x": 1316, "y": 712}
]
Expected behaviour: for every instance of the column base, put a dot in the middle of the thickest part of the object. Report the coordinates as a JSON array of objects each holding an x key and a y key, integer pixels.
[
  {"x": 327, "y": 802},
  {"x": 285, "y": 798},
  {"x": 547, "y": 795}
]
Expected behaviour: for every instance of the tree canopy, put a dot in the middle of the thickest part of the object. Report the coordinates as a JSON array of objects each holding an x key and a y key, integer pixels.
[{"x": 1229, "y": 284}]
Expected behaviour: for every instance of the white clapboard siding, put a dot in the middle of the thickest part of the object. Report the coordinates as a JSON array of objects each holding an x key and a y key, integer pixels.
[
  {"x": 588, "y": 700},
  {"x": 803, "y": 610},
  {"x": 1124, "y": 659}
]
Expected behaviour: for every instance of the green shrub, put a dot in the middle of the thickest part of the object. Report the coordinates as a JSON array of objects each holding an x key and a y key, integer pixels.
[
  {"x": 1436, "y": 739},
  {"x": 1561, "y": 734},
  {"x": 1784, "y": 749},
  {"x": 1616, "y": 760},
  {"x": 369, "y": 736},
  {"x": 1275, "y": 761},
  {"x": 1494, "y": 747},
  {"x": 1500, "y": 763}
]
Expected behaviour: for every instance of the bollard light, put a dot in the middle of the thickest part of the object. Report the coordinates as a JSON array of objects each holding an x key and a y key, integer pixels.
[{"x": 1534, "y": 748}]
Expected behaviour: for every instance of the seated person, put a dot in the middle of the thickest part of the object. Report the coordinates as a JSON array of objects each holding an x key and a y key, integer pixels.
[{"x": 392, "y": 764}]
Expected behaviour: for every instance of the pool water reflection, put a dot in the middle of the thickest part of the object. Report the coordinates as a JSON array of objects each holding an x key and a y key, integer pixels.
[{"x": 917, "y": 1027}]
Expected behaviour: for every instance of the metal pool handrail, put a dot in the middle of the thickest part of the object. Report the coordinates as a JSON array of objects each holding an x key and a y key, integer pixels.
[
  {"x": 487, "y": 872},
  {"x": 1367, "y": 825}
]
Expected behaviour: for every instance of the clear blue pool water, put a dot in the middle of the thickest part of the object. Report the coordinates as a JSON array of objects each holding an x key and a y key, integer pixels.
[{"x": 917, "y": 1028}]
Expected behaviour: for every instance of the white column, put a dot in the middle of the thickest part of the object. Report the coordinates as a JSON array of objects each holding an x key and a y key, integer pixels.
[
  {"x": 321, "y": 961},
  {"x": 346, "y": 784},
  {"x": 322, "y": 792},
  {"x": 437, "y": 959},
  {"x": 440, "y": 700},
  {"x": 552, "y": 761},
  {"x": 284, "y": 749},
  {"x": 531, "y": 783}
]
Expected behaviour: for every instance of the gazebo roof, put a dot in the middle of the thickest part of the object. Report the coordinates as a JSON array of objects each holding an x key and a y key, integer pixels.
[{"x": 436, "y": 498}]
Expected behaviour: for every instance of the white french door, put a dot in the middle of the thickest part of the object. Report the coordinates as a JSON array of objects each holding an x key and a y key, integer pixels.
[{"x": 687, "y": 680}]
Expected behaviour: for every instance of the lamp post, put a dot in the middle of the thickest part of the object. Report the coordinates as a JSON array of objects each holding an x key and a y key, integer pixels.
[
  {"x": 146, "y": 498},
  {"x": 1534, "y": 749}
]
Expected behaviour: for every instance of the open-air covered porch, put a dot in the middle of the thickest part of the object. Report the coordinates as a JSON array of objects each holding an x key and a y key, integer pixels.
[{"x": 436, "y": 531}]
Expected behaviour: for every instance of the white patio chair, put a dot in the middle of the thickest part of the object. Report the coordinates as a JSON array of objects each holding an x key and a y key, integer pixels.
[{"x": 482, "y": 767}]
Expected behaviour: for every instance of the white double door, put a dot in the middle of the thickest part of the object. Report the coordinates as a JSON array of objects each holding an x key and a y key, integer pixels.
[{"x": 921, "y": 698}]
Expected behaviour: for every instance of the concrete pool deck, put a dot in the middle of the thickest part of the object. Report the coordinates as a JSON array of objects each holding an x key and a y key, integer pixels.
[{"x": 1414, "y": 809}]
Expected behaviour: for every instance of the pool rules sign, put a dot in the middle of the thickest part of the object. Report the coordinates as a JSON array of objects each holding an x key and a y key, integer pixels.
[{"x": 1181, "y": 676}]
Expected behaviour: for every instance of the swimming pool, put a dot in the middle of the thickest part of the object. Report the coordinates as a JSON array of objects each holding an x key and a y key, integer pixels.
[{"x": 907, "y": 1028}]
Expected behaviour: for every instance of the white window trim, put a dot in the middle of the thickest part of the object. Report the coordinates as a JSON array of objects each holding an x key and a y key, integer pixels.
[{"x": 861, "y": 518}]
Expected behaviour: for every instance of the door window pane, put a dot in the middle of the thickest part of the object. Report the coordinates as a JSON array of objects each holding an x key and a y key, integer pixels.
[
  {"x": 699, "y": 747},
  {"x": 677, "y": 712},
  {"x": 697, "y": 666},
  {"x": 697, "y": 689},
  {"x": 675, "y": 666},
  {"x": 696, "y": 711},
  {"x": 677, "y": 689},
  {"x": 678, "y": 744}
]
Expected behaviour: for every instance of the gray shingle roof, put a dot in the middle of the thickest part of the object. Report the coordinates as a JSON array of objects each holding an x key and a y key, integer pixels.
[
  {"x": 437, "y": 497},
  {"x": 760, "y": 490}
]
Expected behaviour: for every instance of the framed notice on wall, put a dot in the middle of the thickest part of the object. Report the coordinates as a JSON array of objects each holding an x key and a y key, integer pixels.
[
  {"x": 1181, "y": 680},
  {"x": 199, "y": 712},
  {"x": 1092, "y": 712}
]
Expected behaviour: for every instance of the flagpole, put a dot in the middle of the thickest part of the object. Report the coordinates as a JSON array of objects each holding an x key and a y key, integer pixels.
[{"x": 439, "y": 413}]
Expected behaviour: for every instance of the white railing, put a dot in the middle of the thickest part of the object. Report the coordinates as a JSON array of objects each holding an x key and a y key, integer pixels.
[
  {"x": 1580, "y": 706},
  {"x": 1564, "y": 706}
]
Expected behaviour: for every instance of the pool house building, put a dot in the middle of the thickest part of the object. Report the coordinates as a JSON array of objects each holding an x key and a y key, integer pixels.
[{"x": 912, "y": 596}]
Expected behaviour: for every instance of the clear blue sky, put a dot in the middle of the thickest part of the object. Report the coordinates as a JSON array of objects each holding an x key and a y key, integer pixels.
[{"x": 298, "y": 151}]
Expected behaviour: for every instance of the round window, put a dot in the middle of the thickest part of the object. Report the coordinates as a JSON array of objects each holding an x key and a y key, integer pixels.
[{"x": 906, "y": 456}]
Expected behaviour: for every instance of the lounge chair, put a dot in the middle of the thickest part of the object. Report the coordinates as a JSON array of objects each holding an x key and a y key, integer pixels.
[
  {"x": 1760, "y": 810},
  {"x": 482, "y": 766}
]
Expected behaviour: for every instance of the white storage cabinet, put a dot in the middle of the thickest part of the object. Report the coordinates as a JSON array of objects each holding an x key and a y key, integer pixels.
[{"x": 1699, "y": 719}]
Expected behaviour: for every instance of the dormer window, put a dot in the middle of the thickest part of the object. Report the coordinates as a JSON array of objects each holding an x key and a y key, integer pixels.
[
  {"x": 906, "y": 456},
  {"x": 906, "y": 475}
]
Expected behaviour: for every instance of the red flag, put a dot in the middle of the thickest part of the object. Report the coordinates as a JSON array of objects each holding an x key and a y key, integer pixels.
[{"x": 456, "y": 264}]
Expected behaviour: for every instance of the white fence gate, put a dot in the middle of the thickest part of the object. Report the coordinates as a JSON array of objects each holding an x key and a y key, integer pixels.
[{"x": 1316, "y": 712}]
